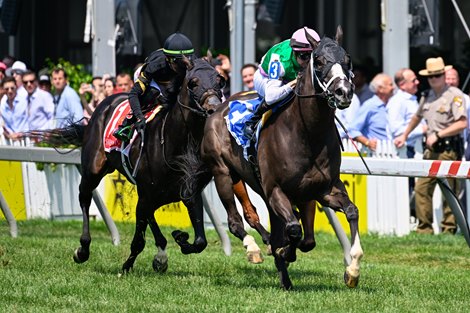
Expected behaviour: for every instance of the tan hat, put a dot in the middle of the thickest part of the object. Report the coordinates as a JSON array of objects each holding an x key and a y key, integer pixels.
[{"x": 434, "y": 66}]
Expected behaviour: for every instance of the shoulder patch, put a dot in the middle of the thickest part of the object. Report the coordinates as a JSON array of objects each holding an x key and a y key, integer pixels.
[{"x": 458, "y": 101}]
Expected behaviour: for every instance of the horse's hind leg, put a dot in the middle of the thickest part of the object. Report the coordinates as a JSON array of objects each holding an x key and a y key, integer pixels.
[
  {"x": 225, "y": 188},
  {"x": 307, "y": 216},
  {"x": 338, "y": 200},
  {"x": 138, "y": 242},
  {"x": 249, "y": 211},
  {"x": 92, "y": 173},
  {"x": 160, "y": 261}
]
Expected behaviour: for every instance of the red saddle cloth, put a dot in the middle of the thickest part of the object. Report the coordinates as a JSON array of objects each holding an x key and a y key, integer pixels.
[
  {"x": 119, "y": 114},
  {"x": 122, "y": 111}
]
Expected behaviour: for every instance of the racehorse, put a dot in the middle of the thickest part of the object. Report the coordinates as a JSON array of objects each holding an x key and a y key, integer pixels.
[
  {"x": 169, "y": 149},
  {"x": 298, "y": 158}
]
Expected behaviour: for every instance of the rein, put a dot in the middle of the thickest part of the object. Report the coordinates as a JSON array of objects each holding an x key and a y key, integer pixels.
[{"x": 199, "y": 111}]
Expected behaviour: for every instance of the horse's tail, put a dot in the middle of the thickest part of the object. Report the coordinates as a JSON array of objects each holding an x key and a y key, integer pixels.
[
  {"x": 71, "y": 135},
  {"x": 196, "y": 175}
]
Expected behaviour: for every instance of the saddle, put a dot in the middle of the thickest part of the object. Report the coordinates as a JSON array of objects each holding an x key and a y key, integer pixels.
[
  {"x": 240, "y": 111},
  {"x": 122, "y": 116}
]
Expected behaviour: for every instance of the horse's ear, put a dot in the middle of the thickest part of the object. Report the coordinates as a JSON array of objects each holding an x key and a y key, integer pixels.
[
  {"x": 311, "y": 40},
  {"x": 209, "y": 56},
  {"x": 187, "y": 62},
  {"x": 339, "y": 35}
]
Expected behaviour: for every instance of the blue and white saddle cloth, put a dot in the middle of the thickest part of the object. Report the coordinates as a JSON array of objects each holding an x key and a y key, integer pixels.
[{"x": 241, "y": 111}]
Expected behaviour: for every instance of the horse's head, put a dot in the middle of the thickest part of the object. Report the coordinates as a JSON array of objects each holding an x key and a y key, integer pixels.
[
  {"x": 332, "y": 70},
  {"x": 204, "y": 86}
]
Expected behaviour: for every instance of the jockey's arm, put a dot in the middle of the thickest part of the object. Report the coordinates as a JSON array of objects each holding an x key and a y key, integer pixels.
[
  {"x": 140, "y": 85},
  {"x": 276, "y": 91}
]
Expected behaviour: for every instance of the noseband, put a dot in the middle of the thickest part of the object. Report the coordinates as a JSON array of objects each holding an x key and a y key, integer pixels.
[{"x": 199, "y": 110}]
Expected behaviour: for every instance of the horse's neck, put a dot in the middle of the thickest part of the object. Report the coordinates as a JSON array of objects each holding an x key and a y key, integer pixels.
[{"x": 185, "y": 121}]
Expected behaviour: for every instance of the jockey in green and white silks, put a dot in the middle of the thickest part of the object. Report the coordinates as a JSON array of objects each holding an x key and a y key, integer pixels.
[{"x": 275, "y": 78}]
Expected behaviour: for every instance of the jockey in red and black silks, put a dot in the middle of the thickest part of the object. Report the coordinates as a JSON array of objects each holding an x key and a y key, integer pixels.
[{"x": 162, "y": 67}]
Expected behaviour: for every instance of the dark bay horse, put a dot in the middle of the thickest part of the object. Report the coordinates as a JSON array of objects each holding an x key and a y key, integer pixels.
[
  {"x": 299, "y": 158},
  {"x": 170, "y": 150}
]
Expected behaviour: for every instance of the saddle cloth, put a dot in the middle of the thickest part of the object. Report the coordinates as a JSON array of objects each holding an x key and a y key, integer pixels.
[
  {"x": 122, "y": 111},
  {"x": 240, "y": 111}
]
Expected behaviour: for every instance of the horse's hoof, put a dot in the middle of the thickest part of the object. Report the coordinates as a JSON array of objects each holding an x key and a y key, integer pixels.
[
  {"x": 350, "y": 281},
  {"x": 160, "y": 266},
  {"x": 127, "y": 268},
  {"x": 306, "y": 246},
  {"x": 280, "y": 252},
  {"x": 180, "y": 237},
  {"x": 80, "y": 257},
  {"x": 255, "y": 257},
  {"x": 269, "y": 251}
]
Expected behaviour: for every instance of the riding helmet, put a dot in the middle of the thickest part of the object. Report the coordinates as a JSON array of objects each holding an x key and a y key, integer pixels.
[
  {"x": 177, "y": 45},
  {"x": 299, "y": 41}
]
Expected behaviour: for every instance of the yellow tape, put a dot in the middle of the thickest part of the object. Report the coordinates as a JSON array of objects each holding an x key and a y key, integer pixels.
[{"x": 11, "y": 186}]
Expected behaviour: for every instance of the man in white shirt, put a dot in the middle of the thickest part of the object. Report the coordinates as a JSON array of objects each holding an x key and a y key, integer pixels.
[{"x": 40, "y": 103}]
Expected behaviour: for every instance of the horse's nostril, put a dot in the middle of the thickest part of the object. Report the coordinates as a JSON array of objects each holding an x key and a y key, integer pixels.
[
  {"x": 339, "y": 92},
  {"x": 210, "y": 111}
]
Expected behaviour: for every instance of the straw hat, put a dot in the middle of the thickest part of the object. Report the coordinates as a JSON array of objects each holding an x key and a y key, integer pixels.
[{"x": 434, "y": 66}]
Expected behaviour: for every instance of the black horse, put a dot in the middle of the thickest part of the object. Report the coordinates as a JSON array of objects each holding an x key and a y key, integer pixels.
[
  {"x": 170, "y": 149},
  {"x": 299, "y": 158}
]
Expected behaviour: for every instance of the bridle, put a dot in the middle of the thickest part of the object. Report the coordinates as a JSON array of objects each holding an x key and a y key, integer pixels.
[
  {"x": 198, "y": 110},
  {"x": 325, "y": 87}
]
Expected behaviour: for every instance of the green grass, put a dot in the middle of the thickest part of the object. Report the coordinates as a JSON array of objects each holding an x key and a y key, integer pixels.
[{"x": 408, "y": 274}]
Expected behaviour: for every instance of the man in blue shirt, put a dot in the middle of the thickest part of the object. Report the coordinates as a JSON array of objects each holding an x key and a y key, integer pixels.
[
  {"x": 370, "y": 124},
  {"x": 402, "y": 106},
  {"x": 68, "y": 107}
]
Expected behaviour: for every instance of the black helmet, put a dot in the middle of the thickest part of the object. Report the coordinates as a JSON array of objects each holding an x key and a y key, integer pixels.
[{"x": 177, "y": 44}]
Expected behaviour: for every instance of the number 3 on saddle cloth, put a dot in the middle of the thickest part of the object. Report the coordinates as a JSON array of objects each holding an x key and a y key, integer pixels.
[
  {"x": 240, "y": 111},
  {"x": 123, "y": 111}
]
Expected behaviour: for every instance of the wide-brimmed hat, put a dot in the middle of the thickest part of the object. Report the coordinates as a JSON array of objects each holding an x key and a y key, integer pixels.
[{"x": 434, "y": 66}]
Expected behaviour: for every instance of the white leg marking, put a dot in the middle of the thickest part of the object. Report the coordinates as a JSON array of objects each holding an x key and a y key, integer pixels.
[
  {"x": 250, "y": 244},
  {"x": 356, "y": 255},
  {"x": 161, "y": 256}
]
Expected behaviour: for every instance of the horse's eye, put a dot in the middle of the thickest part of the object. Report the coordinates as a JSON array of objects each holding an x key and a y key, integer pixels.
[{"x": 192, "y": 83}]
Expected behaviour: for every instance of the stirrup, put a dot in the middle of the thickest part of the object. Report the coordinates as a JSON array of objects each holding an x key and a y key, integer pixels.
[
  {"x": 123, "y": 133},
  {"x": 249, "y": 131}
]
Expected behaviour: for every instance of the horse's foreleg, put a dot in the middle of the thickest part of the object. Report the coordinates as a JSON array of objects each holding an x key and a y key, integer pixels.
[
  {"x": 278, "y": 241},
  {"x": 307, "y": 216},
  {"x": 249, "y": 211},
  {"x": 282, "y": 207},
  {"x": 138, "y": 242},
  {"x": 196, "y": 215},
  {"x": 338, "y": 200},
  {"x": 160, "y": 261}
]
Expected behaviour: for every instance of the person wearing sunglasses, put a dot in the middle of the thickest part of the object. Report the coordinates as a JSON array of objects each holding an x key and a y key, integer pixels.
[
  {"x": 163, "y": 65},
  {"x": 13, "y": 110},
  {"x": 275, "y": 77},
  {"x": 444, "y": 109},
  {"x": 40, "y": 103}
]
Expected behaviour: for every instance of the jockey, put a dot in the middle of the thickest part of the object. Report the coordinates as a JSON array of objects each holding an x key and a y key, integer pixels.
[
  {"x": 276, "y": 75},
  {"x": 161, "y": 66}
]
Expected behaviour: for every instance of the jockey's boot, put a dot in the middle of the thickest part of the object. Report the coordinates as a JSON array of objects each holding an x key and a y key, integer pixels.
[
  {"x": 124, "y": 131},
  {"x": 250, "y": 124}
]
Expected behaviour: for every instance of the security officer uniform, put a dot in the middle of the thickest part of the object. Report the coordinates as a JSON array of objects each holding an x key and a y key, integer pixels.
[{"x": 439, "y": 111}]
